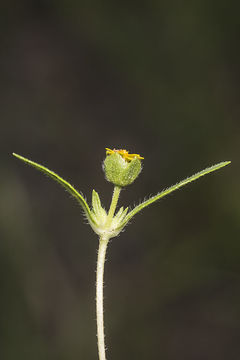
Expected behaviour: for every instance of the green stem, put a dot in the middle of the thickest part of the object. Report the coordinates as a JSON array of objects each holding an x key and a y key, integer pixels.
[
  {"x": 115, "y": 197},
  {"x": 99, "y": 296}
]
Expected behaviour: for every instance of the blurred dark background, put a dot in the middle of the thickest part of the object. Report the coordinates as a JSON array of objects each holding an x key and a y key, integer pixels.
[{"x": 160, "y": 78}]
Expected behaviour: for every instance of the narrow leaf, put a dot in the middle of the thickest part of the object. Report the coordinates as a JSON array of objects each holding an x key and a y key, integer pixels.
[
  {"x": 97, "y": 206},
  {"x": 61, "y": 181},
  {"x": 173, "y": 188},
  {"x": 119, "y": 213},
  {"x": 122, "y": 216},
  {"x": 96, "y": 203}
]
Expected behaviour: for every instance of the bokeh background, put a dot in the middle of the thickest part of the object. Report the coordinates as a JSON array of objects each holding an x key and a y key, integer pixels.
[{"x": 160, "y": 78}]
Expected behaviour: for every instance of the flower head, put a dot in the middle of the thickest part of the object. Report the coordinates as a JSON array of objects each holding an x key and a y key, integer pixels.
[{"x": 120, "y": 167}]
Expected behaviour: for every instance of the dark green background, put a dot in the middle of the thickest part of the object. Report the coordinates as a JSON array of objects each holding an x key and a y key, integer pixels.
[{"x": 160, "y": 78}]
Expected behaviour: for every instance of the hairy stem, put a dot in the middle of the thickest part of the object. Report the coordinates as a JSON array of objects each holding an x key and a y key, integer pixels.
[
  {"x": 99, "y": 296},
  {"x": 103, "y": 241},
  {"x": 115, "y": 197}
]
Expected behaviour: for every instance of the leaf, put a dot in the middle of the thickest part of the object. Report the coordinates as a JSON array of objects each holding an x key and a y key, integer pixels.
[
  {"x": 96, "y": 205},
  {"x": 182, "y": 183},
  {"x": 62, "y": 182},
  {"x": 119, "y": 213},
  {"x": 122, "y": 216}
]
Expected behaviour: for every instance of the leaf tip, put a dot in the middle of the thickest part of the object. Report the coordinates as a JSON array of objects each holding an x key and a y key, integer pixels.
[
  {"x": 224, "y": 163},
  {"x": 16, "y": 155},
  {"x": 20, "y": 157}
]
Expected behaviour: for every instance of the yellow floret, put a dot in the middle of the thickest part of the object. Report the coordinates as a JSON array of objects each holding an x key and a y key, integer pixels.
[{"x": 124, "y": 154}]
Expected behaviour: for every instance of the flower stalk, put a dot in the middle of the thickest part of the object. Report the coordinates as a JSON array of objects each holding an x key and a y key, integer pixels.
[{"x": 115, "y": 197}]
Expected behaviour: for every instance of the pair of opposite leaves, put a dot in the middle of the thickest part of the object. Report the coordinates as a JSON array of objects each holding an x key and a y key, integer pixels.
[{"x": 122, "y": 215}]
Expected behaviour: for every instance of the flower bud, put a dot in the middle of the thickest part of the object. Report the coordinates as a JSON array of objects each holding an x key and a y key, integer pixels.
[{"x": 121, "y": 168}]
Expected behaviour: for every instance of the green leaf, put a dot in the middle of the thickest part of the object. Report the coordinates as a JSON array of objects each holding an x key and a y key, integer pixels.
[
  {"x": 96, "y": 204},
  {"x": 119, "y": 213},
  {"x": 62, "y": 182},
  {"x": 160, "y": 195},
  {"x": 122, "y": 216}
]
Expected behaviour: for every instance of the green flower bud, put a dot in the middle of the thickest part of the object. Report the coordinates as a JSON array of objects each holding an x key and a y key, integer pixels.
[{"x": 122, "y": 168}]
